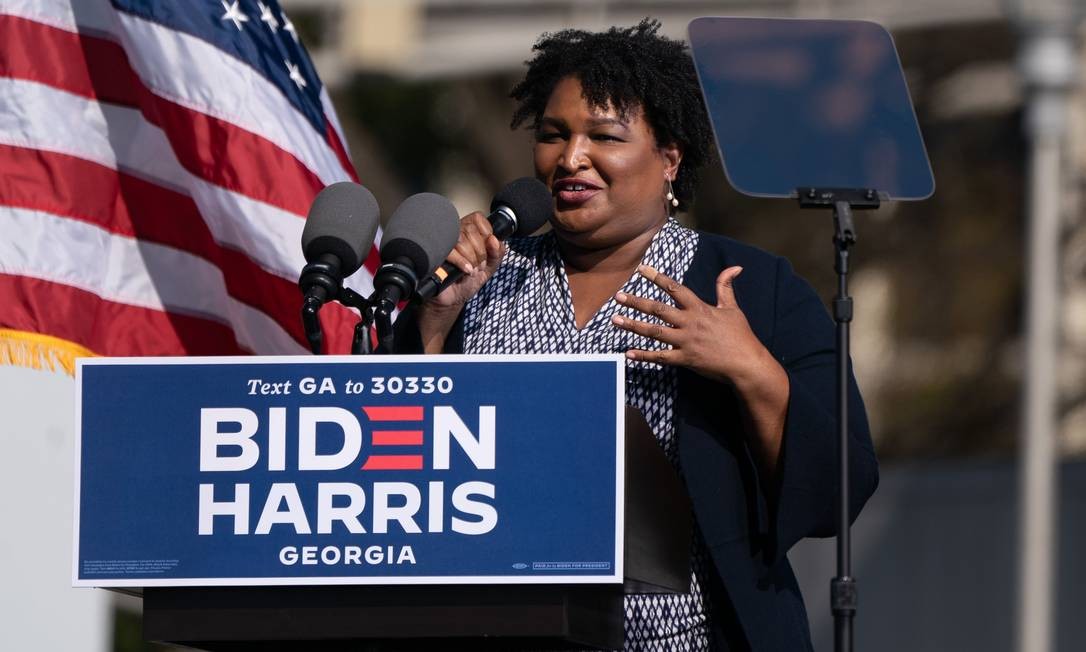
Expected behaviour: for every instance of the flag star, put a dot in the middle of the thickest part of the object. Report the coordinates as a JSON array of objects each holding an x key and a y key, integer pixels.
[
  {"x": 233, "y": 12},
  {"x": 267, "y": 17},
  {"x": 295, "y": 75},
  {"x": 289, "y": 27}
]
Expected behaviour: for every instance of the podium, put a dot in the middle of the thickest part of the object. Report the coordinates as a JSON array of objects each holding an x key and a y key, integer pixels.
[
  {"x": 431, "y": 502},
  {"x": 470, "y": 617}
]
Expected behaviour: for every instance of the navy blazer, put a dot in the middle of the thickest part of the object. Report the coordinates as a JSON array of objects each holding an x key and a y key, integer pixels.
[
  {"x": 748, "y": 535},
  {"x": 757, "y": 601}
]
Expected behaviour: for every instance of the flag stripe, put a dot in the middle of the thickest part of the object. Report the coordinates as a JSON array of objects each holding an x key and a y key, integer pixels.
[
  {"x": 126, "y": 205},
  {"x": 336, "y": 139},
  {"x": 232, "y": 158},
  {"x": 30, "y": 50},
  {"x": 211, "y": 148},
  {"x": 138, "y": 273},
  {"x": 193, "y": 73},
  {"x": 267, "y": 55},
  {"x": 115, "y": 328},
  {"x": 94, "y": 15},
  {"x": 119, "y": 138},
  {"x": 332, "y": 136}
]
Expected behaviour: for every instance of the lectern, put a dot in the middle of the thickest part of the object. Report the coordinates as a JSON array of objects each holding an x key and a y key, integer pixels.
[{"x": 217, "y": 587}]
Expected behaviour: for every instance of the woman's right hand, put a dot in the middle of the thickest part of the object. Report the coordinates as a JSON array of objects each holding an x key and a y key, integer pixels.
[{"x": 477, "y": 254}]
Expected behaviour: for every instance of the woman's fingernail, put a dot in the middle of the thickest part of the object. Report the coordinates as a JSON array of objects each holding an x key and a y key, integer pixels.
[
  {"x": 617, "y": 319},
  {"x": 620, "y": 297}
]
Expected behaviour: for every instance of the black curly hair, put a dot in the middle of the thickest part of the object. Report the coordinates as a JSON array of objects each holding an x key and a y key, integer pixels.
[{"x": 626, "y": 68}]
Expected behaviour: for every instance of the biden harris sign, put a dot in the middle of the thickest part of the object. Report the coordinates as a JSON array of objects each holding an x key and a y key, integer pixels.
[{"x": 349, "y": 470}]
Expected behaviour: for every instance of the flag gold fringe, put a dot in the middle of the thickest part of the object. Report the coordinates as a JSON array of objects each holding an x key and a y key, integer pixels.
[{"x": 37, "y": 351}]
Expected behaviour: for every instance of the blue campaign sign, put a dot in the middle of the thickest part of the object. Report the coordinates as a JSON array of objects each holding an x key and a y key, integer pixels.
[{"x": 349, "y": 470}]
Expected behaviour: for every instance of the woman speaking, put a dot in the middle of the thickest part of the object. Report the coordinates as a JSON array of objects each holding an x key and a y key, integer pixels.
[{"x": 729, "y": 354}]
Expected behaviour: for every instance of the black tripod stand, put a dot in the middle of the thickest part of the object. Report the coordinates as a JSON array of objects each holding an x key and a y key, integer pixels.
[{"x": 843, "y": 593}]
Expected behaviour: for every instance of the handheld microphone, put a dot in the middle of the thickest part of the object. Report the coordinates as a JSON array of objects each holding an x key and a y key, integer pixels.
[
  {"x": 422, "y": 232},
  {"x": 520, "y": 208},
  {"x": 338, "y": 233}
]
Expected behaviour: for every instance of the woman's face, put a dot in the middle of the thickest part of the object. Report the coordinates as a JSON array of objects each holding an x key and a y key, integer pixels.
[{"x": 606, "y": 173}]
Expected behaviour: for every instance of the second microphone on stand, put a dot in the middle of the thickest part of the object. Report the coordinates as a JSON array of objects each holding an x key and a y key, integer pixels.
[{"x": 419, "y": 235}]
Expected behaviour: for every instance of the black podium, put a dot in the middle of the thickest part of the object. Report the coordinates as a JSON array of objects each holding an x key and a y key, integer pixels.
[{"x": 450, "y": 617}]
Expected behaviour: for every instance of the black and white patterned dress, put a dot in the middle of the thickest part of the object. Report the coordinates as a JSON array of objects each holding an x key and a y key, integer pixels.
[{"x": 526, "y": 307}]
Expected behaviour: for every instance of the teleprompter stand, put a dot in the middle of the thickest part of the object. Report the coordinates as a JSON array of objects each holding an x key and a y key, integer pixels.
[
  {"x": 802, "y": 139},
  {"x": 843, "y": 594},
  {"x": 451, "y": 617}
]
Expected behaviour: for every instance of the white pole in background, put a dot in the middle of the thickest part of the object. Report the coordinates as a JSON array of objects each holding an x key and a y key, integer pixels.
[{"x": 1047, "y": 64}]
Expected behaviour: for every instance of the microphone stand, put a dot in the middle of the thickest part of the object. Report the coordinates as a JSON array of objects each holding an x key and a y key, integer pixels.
[
  {"x": 397, "y": 281},
  {"x": 361, "y": 344},
  {"x": 843, "y": 589},
  {"x": 311, "y": 324},
  {"x": 383, "y": 317},
  {"x": 319, "y": 276},
  {"x": 319, "y": 283}
]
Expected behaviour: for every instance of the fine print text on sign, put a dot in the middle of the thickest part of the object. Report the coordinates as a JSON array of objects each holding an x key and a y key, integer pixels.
[{"x": 380, "y": 470}]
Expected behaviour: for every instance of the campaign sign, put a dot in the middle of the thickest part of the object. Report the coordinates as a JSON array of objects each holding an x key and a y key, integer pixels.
[{"x": 349, "y": 470}]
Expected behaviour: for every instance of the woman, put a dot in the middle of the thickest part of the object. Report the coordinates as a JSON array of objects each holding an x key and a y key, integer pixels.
[{"x": 729, "y": 354}]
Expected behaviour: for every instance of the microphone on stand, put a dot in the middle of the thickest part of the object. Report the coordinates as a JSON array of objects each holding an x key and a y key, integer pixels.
[
  {"x": 421, "y": 233},
  {"x": 338, "y": 233},
  {"x": 520, "y": 208}
]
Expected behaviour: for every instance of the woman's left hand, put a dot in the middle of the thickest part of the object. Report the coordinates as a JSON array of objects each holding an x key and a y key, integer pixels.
[
  {"x": 717, "y": 342},
  {"x": 714, "y": 341}
]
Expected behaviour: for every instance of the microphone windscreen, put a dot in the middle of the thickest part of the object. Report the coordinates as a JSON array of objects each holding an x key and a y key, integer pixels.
[
  {"x": 343, "y": 221},
  {"x": 424, "y": 229},
  {"x": 531, "y": 202}
]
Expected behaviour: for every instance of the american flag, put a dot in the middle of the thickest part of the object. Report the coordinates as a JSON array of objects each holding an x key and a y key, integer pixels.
[{"x": 157, "y": 160}]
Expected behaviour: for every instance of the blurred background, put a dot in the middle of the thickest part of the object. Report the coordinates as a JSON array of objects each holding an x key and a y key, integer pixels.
[{"x": 940, "y": 285}]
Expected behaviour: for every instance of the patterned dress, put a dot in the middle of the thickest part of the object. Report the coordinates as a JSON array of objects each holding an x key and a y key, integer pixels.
[{"x": 526, "y": 307}]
